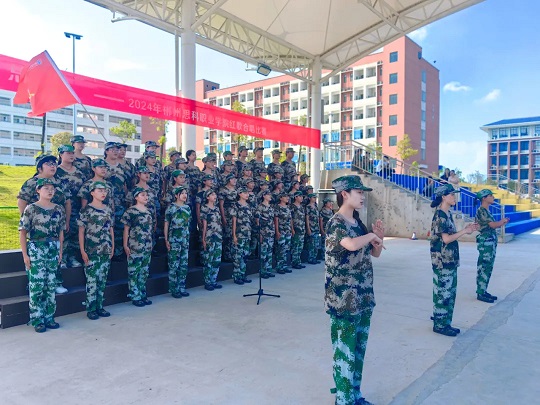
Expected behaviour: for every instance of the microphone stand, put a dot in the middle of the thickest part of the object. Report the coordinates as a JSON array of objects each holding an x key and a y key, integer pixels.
[{"x": 261, "y": 292}]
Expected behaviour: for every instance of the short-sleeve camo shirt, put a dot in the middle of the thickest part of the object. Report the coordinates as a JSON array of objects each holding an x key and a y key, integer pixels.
[
  {"x": 84, "y": 165},
  {"x": 71, "y": 183},
  {"x": 41, "y": 223},
  {"x": 178, "y": 217},
  {"x": 312, "y": 214},
  {"x": 244, "y": 216},
  {"x": 29, "y": 194},
  {"x": 84, "y": 193},
  {"x": 116, "y": 178},
  {"x": 97, "y": 225},
  {"x": 326, "y": 214},
  {"x": 140, "y": 230},
  {"x": 349, "y": 274},
  {"x": 298, "y": 213},
  {"x": 212, "y": 217},
  {"x": 283, "y": 215},
  {"x": 483, "y": 218},
  {"x": 265, "y": 213},
  {"x": 443, "y": 256}
]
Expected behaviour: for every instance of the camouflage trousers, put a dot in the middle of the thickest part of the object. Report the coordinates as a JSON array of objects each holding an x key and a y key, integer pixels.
[
  {"x": 322, "y": 247},
  {"x": 227, "y": 238},
  {"x": 444, "y": 296},
  {"x": 487, "y": 249},
  {"x": 313, "y": 245},
  {"x": 138, "y": 270},
  {"x": 349, "y": 339},
  {"x": 42, "y": 280},
  {"x": 239, "y": 252},
  {"x": 297, "y": 245},
  {"x": 96, "y": 278},
  {"x": 282, "y": 247},
  {"x": 211, "y": 261},
  {"x": 267, "y": 246},
  {"x": 254, "y": 242},
  {"x": 71, "y": 240},
  {"x": 178, "y": 265},
  {"x": 118, "y": 230}
]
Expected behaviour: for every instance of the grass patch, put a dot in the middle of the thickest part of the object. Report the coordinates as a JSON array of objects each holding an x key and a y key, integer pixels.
[
  {"x": 11, "y": 180},
  {"x": 9, "y": 223}
]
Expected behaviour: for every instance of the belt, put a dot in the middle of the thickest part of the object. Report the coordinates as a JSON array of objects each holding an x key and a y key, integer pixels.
[{"x": 44, "y": 240}]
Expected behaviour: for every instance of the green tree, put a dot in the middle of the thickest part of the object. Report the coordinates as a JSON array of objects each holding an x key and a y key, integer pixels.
[
  {"x": 476, "y": 178},
  {"x": 60, "y": 138},
  {"x": 241, "y": 139},
  {"x": 405, "y": 150},
  {"x": 125, "y": 130}
]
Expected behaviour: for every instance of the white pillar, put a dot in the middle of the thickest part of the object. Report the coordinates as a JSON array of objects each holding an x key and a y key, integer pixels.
[
  {"x": 189, "y": 140},
  {"x": 316, "y": 123}
]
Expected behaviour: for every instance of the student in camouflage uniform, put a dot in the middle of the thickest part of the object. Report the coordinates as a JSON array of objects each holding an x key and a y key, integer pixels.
[
  {"x": 304, "y": 178},
  {"x": 241, "y": 161},
  {"x": 284, "y": 230},
  {"x": 137, "y": 243},
  {"x": 313, "y": 233},
  {"x": 174, "y": 155},
  {"x": 257, "y": 164},
  {"x": 242, "y": 215},
  {"x": 143, "y": 176},
  {"x": 176, "y": 231},
  {"x": 155, "y": 182},
  {"x": 128, "y": 167},
  {"x": 277, "y": 189},
  {"x": 226, "y": 169},
  {"x": 193, "y": 174},
  {"x": 486, "y": 243},
  {"x": 228, "y": 157},
  {"x": 444, "y": 251},
  {"x": 276, "y": 156},
  {"x": 177, "y": 179},
  {"x": 207, "y": 184},
  {"x": 211, "y": 240},
  {"x": 253, "y": 202},
  {"x": 43, "y": 223},
  {"x": 46, "y": 169},
  {"x": 247, "y": 173},
  {"x": 101, "y": 171},
  {"x": 149, "y": 146},
  {"x": 298, "y": 213},
  {"x": 96, "y": 237},
  {"x": 81, "y": 162},
  {"x": 265, "y": 222},
  {"x": 227, "y": 200},
  {"x": 295, "y": 186},
  {"x": 349, "y": 297},
  {"x": 326, "y": 212},
  {"x": 289, "y": 168},
  {"x": 71, "y": 180}
]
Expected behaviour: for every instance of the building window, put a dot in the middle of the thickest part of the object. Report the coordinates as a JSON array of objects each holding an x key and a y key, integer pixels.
[
  {"x": 23, "y": 136},
  {"x": 423, "y": 76},
  {"x": 524, "y": 146},
  {"x": 513, "y": 132},
  {"x": 117, "y": 120},
  {"x": 393, "y": 78},
  {"x": 392, "y": 140},
  {"x": 503, "y": 133},
  {"x": 5, "y": 101},
  {"x": 423, "y": 116},
  {"x": 423, "y": 96},
  {"x": 5, "y": 118},
  {"x": 25, "y": 152},
  {"x": 393, "y": 57},
  {"x": 423, "y": 131},
  {"x": 5, "y": 134},
  {"x": 4, "y": 150},
  {"x": 27, "y": 121},
  {"x": 423, "y": 152},
  {"x": 371, "y": 132},
  {"x": 494, "y": 133},
  {"x": 393, "y": 120},
  {"x": 393, "y": 99},
  {"x": 358, "y": 133},
  {"x": 524, "y": 131}
]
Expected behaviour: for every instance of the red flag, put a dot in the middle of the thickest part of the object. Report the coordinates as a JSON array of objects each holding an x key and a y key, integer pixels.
[{"x": 43, "y": 84}]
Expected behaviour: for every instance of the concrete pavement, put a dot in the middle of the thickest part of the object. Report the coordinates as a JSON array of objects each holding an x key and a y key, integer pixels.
[{"x": 220, "y": 348}]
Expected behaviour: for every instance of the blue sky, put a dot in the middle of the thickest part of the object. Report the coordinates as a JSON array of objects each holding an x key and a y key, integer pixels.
[{"x": 487, "y": 56}]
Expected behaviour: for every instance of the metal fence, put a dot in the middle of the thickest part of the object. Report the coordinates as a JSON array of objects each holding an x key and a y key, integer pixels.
[{"x": 9, "y": 223}]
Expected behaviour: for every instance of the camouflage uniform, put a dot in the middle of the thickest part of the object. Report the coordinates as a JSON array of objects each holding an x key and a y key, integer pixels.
[
  {"x": 71, "y": 183},
  {"x": 43, "y": 227},
  {"x": 271, "y": 169},
  {"x": 130, "y": 173},
  {"x": 229, "y": 198},
  {"x": 486, "y": 243},
  {"x": 97, "y": 224},
  {"x": 257, "y": 166},
  {"x": 283, "y": 244},
  {"x": 84, "y": 165},
  {"x": 313, "y": 240},
  {"x": 178, "y": 218},
  {"x": 299, "y": 223},
  {"x": 140, "y": 243},
  {"x": 289, "y": 173},
  {"x": 193, "y": 177},
  {"x": 444, "y": 261},
  {"x": 240, "y": 168},
  {"x": 265, "y": 214},
  {"x": 254, "y": 242},
  {"x": 84, "y": 193},
  {"x": 212, "y": 254},
  {"x": 150, "y": 205},
  {"x": 244, "y": 216},
  {"x": 325, "y": 214},
  {"x": 349, "y": 300},
  {"x": 116, "y": 178}
]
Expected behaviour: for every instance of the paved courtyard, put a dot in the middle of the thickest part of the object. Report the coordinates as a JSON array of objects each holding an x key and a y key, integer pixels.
[{"x": 220, "y": 348}]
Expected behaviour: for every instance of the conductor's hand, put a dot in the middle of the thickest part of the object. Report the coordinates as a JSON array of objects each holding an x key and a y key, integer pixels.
[{"x": 378, "y": 228}]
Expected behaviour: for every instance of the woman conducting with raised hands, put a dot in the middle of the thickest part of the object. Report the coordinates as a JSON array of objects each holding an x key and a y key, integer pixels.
[
  {"x": 349, "y": 297},
  {"x": 444, "y": 251}
]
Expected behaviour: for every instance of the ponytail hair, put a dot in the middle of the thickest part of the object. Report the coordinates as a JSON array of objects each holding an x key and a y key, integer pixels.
[{"x": 436, "y": 202}]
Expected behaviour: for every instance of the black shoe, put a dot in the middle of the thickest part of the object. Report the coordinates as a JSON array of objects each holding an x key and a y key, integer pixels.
[
  {"x": 146, "y": 301},
  {"x": 138, "y": 303},
  {"x": 217, "y": 286},
  {"x": 280, "y": 271},
  {"x": 239, "y": 282},
  {"x": 446, "y": 331},
  {"x": 271, "y": 275},
  {"x": 223, "y": 260},
  {"x": 246, "y": 280},
  {"x": 313, "y": 262},
  {"x": 103, "y": 313},
  {"x": 52, "y": 325},
  {"x": 252, "y": 257},
  {"x": 318, "y": 261},
  {"x": 485, "y": 298},
  {"x": 493, "y": 297},
  {"x": 184, "y": 293},
  {"x": 297, "y": 266},
  {"x": 40, "y": 328},
  {"x": 363, "y": 401},
  {"x": 92, "y": 315},
  {"x": 287, "y": 271},
  {"x": 209, "y": 287},
  {"x": 457, "y": 330},
  {"x": 176, "y": 295},
  {"x": 265, "y": 276},
  {"x": 302, "y": 266}
]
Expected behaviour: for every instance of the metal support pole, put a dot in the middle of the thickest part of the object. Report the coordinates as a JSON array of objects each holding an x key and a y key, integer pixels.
[
  {"x": 316, "y": 123},
  {"x": 189, "y": 136}
]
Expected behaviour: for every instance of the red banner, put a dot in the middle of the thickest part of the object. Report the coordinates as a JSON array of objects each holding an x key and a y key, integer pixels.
[{"x": 114, "y": 96}]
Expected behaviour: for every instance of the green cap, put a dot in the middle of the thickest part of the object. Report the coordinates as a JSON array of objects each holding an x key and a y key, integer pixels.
[
  {"x": 179, "y": 189},
  {"x": 445, "y": 189},
  {"x": 258, "y": 149},
  {"x": 211, "y": 156},
  {"x": 99, "y": 163},
  {"x": 229, "y": 177},
  {"x": 483, "y": 193},
  {"x": 228, "y": 153},
  {"x": 208, "y": 192},
  {"x": 150, "y": 144},
  {"x": 228, "y": 163},
  {"x": 277, "y": 169},
  {"x": 296, "y": 194},
  {"x": 174, "y": 152},
  {"x": 207, "y": 177},
  {"x": 311, "y": 195},
  {"x": 249, "y": 180},
  {"x": 289, "y": 150},
  {"x": 122, "y": 145},
  {"x": 66, "y": 148},
  {"x": 350, "y": 182},
  {"x": 43, "y": 182},
  {"x": 241, "y": 190},
  {"x": 149, "y": 153},
  {"x": 77, "y": 138},
  {"x": 98, "y": 184},
  {"x": 264, "y": 192},
  {"x": 283, "y": 194},
  {"x": 247, "y": 167},
  {"x": 179, "y": 161},
  {"x": 327, "y": 200},
  {"x": 242, "y": 148},
  {"x": 109, "y": 145},
  {"x": 137, "y": 191},
  {"x": 276, "y": 152},
  {"x": 304, "y": 176},
  {"x": 143, "y": 169},
  {"x": 178, "y": 172},
  {"x": 44, "y": 158}
]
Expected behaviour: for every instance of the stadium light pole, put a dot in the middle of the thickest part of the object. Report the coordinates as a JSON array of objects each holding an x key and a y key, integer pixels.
[{"x": 74, "y": 37}]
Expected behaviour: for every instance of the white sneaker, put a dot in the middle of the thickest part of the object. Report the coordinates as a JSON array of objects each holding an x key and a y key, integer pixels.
[
  {"x": 63, "y": 265},
  {"x": 75, "y": 263},
  {"x": 61, "y": 290}
]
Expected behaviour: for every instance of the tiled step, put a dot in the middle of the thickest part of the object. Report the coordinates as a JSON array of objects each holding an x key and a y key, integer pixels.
[{"x": 522, "y": 226}]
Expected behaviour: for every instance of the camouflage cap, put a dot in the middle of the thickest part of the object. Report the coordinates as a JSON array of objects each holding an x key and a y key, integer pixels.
[
  {"x": 241, "y": 190},
  {"x": 207, "y": 193},
  {"x": 143, "y": 169},
  {"x": 138, "y": 190},
  {"x": 262, "y": 193},
  {"x": 77, "y": 138},
  {"x": 277, "y": 169},
  {"x": 327, "y": 200},
  {"x": 445, "y": 189},
  {"x": 99, "y": 163},
  {"x": 149, "y": 144},
  {"x": 178, "y": 190},
  {"x": 264, "y": 183},
  {"x": 247, "y": 168},
  {"x": 207, "y": 177},
  {"x": 294, "y": 182},
  {"x": 43, "y": 182},
  {"x": 309, "y": 186},
  {"x": 228, "y": 163},
  {"x": 122, "y": 145},
  {"x": 262, "y": 170},
  {"x": 289, "y": 150},
  {"x": 296, "y": 194},
  {"x": 257, "y": 149},
  {"x": 249, "y": 180},
  {"x": 483, "y": 193},
  {"x": 173, "y": 153},
  {"x": 350, "y": 182},
  {"x": 178, "y": 172},
  {"x": 229, "y": 177},
  {"x": 242, "y": 148},
  {"x": 44, "y": 158},
  {"x": 276, "y": 152},
  {"x": 110, "y": 145},
  {"x": 204, "y": 159},
  {"x": 98, "y": 184},
  {"x": 180, "y": 161},
  {"x": 283, "y": 194},
  {"x": 228, "y": 153},
  {"x": 211, "y": 156},
  {"x": 65, "y": 148},
  {"x": 311, "y": 195},
  {"x": 149, "y": 154},
  {"x": 274, "y": 183},
  {"x": 305, "y": 176}
]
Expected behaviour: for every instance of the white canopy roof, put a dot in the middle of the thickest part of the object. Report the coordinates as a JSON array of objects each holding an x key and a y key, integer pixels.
[{"x": 287, "y": 35}]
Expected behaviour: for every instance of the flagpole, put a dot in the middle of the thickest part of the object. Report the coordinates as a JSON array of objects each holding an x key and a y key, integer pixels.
[
  {"x": 43, "y": 137},
  {"x": 95, "y": 124}
]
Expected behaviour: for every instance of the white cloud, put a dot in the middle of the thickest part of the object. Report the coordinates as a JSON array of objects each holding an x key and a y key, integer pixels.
[
  {"x": 455, "y": 86},
  {"x": 467, "y": 156},
  {"x": 493, "y": 95},
  {"x": 118, "y": 65},
  {"x": 419, "y": 35}
]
